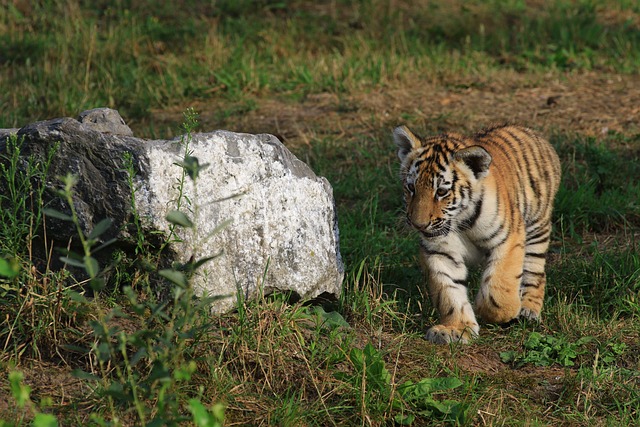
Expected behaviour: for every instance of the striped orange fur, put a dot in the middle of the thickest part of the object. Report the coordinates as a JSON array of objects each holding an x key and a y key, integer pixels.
[{"x": 486, "y": 198}]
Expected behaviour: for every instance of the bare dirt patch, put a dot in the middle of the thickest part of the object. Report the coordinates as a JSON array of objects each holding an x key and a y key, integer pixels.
[
  {"x": 46, "y": 380},
  {"x": 590, "y": 104}
]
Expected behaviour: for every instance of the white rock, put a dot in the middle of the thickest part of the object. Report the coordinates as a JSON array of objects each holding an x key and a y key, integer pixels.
[{"x": 283, "y": 233}]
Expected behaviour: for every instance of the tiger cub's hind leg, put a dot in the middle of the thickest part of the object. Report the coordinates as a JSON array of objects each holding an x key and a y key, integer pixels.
[
  {"x": 534, "y": 278},
  {"x": 499, "y": 297}
]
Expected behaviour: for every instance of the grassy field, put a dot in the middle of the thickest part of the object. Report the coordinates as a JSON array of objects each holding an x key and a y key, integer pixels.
[{"x": 331, "y": 79}]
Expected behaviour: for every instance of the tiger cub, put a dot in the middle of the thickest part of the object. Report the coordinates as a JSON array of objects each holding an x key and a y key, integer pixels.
[{"x": 486, "y": 198}]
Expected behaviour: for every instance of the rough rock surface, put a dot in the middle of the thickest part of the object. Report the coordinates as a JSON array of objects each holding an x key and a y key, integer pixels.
[
  {"x": 282, "y": 232},
  {"x": 105, "y": 120}
]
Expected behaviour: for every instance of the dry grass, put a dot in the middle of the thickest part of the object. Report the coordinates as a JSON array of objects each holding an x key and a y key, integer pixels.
[{"x": 590, "y": 104}]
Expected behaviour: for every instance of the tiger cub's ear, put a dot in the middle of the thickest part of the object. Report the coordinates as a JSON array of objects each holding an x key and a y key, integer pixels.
[
  {"x": 405, "y": 140},
  {"x": 476, "y": 158}
]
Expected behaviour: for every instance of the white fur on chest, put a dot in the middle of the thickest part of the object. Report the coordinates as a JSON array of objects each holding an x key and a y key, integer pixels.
[{"x": 459, "y": 245}]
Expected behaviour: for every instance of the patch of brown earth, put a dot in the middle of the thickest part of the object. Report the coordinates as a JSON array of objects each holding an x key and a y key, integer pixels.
[
  {"x": 589, "y": 104},
  {"x": 46, "y": 380}
]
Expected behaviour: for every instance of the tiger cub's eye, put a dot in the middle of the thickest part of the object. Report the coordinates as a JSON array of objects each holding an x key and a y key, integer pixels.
[
  {"x": 441, "y": 192},
  {"x": 411, "y": 188}
]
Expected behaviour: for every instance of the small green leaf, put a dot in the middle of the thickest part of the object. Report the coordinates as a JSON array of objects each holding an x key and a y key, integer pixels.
[
  {"x": 443, "y": 384},
  {"x": 534, "y": 340},
  {"x": 199, "y": 263},
  {"x": 19, "y": 391},
  {"x": 184, "y": 372},
  {"x": 83, "y": 375},
  {"x": 77, "y": 297},
  {"x": 332, "y": 318},
  {"x": 508, "y": 356},
  {"x": 192, "y": 166},
  {"x": 139, "y": 355},
  {"x": 201, "y": 417},
  {"x": 405, "y": 419},
  {"x": 115, "y": 390},
  {"x": 104, "y": 245},
  {"x": 218, "y": 414},
  {"x": 44, "y": 420},
  {"x": 91, "y": 266},
  {"x": 100, "y": 228},
  {"x": 179, "y": 218},
  {"x": 97, "y": 283},
  {"x": 57, "y": 214},
  {"x": 9, "y": 268},
  {"x": 72, "y": 262},
  {"x": 175, "y": 277},
  {"x": 220, "y": 227}
]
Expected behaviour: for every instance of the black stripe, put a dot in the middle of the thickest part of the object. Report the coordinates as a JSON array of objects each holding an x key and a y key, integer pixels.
[
  {"x": 541, "y": 239},
  {"x": 533, "y": 273},
  {"x": 535, "y": 254},
  {"x": 530, "y": 285},
  {"x": 501, "y": 242},
  {"x": 470, "y": 222},
  {"x": 525, "y": 150},
  {"x": 493, "y": 235},
  {"x": 506, "y": 152},
  {"x": 542, "y": 233},
  {"x": 493, "y": 301},
  {"x": 456, "y": 281},
  {"x": 512, "y": 162},
  {"x": 443, "y": 254}
]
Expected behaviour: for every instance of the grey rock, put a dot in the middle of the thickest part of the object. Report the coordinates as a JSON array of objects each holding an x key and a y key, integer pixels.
[
  {"x": 4, "y": 133},
  {"x": 96, "y": 159},
  {"x": 105, "y": 120},
  {"x": 281, "y": 232}
]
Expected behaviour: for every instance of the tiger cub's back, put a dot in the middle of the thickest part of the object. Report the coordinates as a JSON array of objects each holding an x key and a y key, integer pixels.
[{"x": 526, "y": 169}]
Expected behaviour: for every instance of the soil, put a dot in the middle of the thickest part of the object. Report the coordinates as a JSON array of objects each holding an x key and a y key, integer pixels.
[{"x": 590, "y": 104}]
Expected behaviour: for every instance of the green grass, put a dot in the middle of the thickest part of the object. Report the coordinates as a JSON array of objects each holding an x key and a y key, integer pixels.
[
  {"x": 102, "y": 54},
  {"x": 125, "y": 357}
]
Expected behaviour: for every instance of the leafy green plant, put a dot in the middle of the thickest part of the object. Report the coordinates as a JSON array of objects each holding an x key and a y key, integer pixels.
[
  {"x": 546, "y": 350},
  {"x": 419, "y": 397},
  {"x": 410, "y": 401},
  {"x": 369, "y": 375},
  {"x": 612, "y": 352}
]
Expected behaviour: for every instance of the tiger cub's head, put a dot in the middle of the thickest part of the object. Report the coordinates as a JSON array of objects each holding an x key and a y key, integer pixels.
[{"x": 442, "y": 178}]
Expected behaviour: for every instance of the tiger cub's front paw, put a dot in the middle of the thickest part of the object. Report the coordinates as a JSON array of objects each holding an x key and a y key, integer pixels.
[{"x": 444, "y": 334}]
